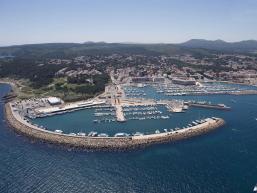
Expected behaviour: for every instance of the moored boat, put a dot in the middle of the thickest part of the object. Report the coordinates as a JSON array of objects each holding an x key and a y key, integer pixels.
[
  {"x": 82, "y": 134},
  {"x": 92, "y": 134},
  {"x": 138, "y": 134},
  {"x": 121, "y": 135},
  {"x": 102, "y": 135},
  {"x": 58, "y": 131}
]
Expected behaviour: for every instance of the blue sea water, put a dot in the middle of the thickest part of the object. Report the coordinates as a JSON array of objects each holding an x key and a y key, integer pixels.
[{"x": 220, "y": 162}]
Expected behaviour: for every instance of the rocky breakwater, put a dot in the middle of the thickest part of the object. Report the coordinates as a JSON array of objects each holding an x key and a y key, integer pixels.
[
  {"x": 209, "y": 125},
  {"x": 105, "y": 143}
]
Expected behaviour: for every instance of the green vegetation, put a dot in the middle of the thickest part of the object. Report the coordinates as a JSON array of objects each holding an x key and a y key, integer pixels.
[
  {"x": 60, "y": 87},
  {"x": 80, "y": 90},
  {"x": 39, "y": 75}
]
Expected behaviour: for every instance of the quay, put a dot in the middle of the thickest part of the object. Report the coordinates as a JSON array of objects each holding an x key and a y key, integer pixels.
[
  {"x": 244, "y": 92},
  {"x": 70, "y": 106},
  {"x": 21, "y": 125},
  {"x": 211, "y": 106},
  {"x": 119, "y": 113},
  {"x": 174, "y": 106}
]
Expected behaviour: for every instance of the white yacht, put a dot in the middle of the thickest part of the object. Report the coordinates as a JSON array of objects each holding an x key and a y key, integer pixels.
[
  {"x": 82, "y": 134},
  {"x": 92, "y": 134},
  {"x": 102, "y": 135},
  {"x": 138, "y": 134},
  {"x": 121, "y": 135},
  {"x": 58, "y": 131}
]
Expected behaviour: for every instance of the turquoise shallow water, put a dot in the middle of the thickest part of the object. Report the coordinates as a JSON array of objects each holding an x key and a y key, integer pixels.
[{"x": 221, "y": 161}]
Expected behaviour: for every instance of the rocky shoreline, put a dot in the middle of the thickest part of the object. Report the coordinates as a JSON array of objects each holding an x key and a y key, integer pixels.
[{"x": 107, "y": 143}]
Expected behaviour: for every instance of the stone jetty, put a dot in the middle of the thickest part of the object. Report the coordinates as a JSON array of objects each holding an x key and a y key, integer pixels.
[{"x": 106, "y": 143}]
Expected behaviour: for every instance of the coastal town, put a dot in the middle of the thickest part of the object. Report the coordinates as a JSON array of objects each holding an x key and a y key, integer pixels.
[
  {"x": 123, "y": 97},
  {"x": 81, "y": 76},
  {"x": 220, "y": 67}
]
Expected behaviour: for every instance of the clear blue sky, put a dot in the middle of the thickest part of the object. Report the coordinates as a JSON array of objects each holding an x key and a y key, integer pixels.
[{"x": 40, "y": 21}]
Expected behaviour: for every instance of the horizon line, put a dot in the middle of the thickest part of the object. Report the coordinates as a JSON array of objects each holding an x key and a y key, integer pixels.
[{"x": 123, "y": 42}]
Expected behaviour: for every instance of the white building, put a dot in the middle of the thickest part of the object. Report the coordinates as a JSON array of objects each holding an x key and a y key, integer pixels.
[{"x": 54, "y": 100}]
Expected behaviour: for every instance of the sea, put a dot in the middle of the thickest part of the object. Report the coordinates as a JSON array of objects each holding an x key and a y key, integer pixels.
[{"x": 222, "y": 161}]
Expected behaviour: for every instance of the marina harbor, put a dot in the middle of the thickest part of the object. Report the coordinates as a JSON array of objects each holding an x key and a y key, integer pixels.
[
  {"x": 102, "y": 141},
  {"x": 133, "y": 96},
  {"x": 123, "y": 104},
  {"x": 120, "y": 104},
  {"x": 150, "y": 119}
]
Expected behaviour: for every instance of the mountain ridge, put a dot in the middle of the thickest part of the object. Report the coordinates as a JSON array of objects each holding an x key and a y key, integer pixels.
[
  {"x": 193, "y": 46},
  {"x": 221, "y": 45}
]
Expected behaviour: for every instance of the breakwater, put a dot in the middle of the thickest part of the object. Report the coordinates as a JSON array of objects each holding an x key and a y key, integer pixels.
[
  {"x": 106, "y": 143},
  {"x": 211, "y": 106}
]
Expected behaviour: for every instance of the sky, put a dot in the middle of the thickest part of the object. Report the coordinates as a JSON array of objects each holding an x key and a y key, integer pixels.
[{"x": 138, "y": 21}]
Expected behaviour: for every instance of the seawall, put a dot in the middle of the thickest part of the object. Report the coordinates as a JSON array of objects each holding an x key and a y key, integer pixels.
[
  {"x": 106, "y": 143},
  {"x": 209, "y": 106}
]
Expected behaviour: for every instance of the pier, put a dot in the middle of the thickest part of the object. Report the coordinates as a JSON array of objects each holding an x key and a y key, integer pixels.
[
  {"x": 70, "y": 106},
  {"x": 119, "y": 113},
  {"x": 174, "y": 106},
  {"x": 206, "y": 105}
]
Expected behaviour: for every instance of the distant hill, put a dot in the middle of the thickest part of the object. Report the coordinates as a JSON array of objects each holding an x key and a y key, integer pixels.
[
  {"x": 220, "y": 45},
  {"x": 198, "y": 47},
  {"x": 67, "y": 50}
]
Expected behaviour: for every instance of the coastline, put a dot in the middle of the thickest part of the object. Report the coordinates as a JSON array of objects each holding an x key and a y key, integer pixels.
[
  {"x": 107, "y": 143},
  {"x": 12, "y": 83}
]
